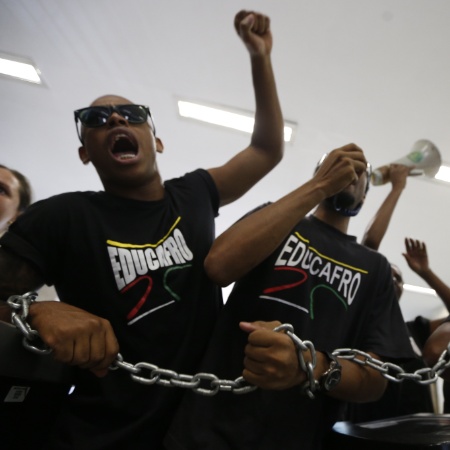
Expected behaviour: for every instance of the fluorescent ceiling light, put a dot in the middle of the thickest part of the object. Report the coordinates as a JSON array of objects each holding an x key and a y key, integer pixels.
[
  {"x": 19, "y": 68},
  {"x": 443, "y": 174},
  {"x": 419, "y": 289},
  {"x": 226, "y": 117}
]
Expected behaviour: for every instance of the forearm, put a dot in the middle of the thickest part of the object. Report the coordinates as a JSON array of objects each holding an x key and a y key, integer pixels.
[
  {"x": 254, "y": 238},
  {"x": 359, "y": 383},
  {"x": 269, "y": 127},
  {"x": 378, "y": 226},
  {"x": 436, "y": 344}
]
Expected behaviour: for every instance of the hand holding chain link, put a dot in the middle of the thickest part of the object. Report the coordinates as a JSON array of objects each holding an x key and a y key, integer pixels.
[{"x": 20, "y": 305}]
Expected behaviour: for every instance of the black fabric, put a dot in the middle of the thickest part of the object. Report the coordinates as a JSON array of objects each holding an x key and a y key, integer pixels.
[
  {"x": 140, "y": 265},
  {"x": 419, "y": 329},
  {"x": 446, "y": 388},
  {"x": 336, "y": 293},
  {"x": 446, "y": 393}
]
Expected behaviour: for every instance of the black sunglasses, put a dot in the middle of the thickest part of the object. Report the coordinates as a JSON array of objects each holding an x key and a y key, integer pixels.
[{"x": 97, "y": 116}]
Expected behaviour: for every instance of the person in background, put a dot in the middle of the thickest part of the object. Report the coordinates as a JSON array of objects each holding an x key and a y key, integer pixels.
[
  {"x": 406, "y": 397},
  {"x": 15, "y": 196},
  {"x": 435, "y": 346},
  {"x": 127, "y": 262},
  {"x": 417, "y": 258},
  {"x": 335, "y": 292}
]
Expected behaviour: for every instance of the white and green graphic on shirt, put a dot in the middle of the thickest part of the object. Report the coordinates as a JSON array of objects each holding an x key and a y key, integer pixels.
[
  {"x": 300, "y": 261},
  {"x": 134, "y": 263}
]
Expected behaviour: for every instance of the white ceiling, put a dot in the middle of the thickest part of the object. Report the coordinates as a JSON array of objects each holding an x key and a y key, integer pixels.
[{"x": 371, "y": 72}]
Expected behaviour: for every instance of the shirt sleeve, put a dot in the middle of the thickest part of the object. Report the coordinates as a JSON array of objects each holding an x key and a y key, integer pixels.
[{"x": 35, "y": 235}]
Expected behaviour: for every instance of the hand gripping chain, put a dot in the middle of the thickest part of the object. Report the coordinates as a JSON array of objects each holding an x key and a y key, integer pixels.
[{"x": 209, "y": 384}]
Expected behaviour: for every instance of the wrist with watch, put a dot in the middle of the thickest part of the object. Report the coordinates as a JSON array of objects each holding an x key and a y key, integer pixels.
[{"x": 332, "y": 376}]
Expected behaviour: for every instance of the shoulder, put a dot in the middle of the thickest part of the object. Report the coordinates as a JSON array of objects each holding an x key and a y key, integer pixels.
[
  {"x": 64, "y": 199},
  {"x": 56, "y": 206},
  {"x": 198, "y": 183},
  {"x": 197, "y": 177}
]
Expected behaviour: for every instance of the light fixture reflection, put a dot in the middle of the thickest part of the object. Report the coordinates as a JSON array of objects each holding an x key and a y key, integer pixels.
[
  {"x": 19, "y": 68},
  {"x": 225, "y": 117}
]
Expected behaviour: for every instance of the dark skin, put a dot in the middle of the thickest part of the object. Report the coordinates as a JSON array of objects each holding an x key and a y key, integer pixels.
[
  {"x": 77, "y": 337},
  {"x": 435, "y": 345}
]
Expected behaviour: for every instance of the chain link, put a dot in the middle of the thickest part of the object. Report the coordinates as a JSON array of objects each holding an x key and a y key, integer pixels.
[{"x": 209, "y": 384}]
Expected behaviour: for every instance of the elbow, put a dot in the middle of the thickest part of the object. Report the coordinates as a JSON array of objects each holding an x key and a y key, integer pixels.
[
  {"x": 273, "y": 149},
  {"x": 217, "y": 271},
  {"x": 278, "y": 153},
  {"x": 370, "y": 242},
  {"x": 431, "y": 352}
]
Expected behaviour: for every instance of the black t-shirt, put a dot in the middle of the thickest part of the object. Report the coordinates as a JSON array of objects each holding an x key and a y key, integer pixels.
[
  {"x": 336, "y": 293},
  {"x": 140, "y": 265}
]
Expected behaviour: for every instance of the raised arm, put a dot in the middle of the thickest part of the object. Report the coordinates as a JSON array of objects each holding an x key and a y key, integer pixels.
[
  {"x": 265, "y": 151},
  {"x": 417, "y": 258},
  {"x": 377, "y": 227},
  {"x": 252, "y": 239}
]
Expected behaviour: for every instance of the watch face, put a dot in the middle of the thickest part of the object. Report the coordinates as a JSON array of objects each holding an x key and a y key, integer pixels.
[{"x": 332, "y": 379}]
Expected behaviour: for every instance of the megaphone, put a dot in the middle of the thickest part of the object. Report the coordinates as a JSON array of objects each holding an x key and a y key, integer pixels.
[{"x": 424, "y": 159}]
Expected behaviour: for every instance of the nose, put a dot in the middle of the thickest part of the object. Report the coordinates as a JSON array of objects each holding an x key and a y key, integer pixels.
[{"x": 116, "y": 119}]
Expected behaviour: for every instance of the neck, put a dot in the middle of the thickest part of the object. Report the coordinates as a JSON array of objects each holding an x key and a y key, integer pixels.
[
  {"x": 150, "y": 191},
  {"x": 332, "y": 218}
]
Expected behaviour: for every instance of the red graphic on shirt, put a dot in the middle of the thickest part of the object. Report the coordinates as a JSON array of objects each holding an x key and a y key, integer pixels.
[
  {"x": 283, "y": 287},
  {"x": 144, "y": 297}
]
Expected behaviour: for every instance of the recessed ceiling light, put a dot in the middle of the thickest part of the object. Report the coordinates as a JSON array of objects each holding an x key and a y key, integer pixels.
[
  {"x": 21, "y": 68},
  {"x": 226, "y": 117},
  {"x": 419, "y": 289}
]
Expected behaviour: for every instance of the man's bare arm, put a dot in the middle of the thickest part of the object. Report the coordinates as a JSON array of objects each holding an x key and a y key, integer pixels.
[
  {"x": 377, "y": 227},
  {"x": 245, "y": 169},
  {"x": 271, "y": 362}
]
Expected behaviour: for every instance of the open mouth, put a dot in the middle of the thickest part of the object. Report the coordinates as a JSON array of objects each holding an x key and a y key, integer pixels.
[{"x": 123, "y": 146}]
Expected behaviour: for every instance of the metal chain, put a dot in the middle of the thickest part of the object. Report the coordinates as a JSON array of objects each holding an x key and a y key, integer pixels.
[
  {"x": 209, "y": 384},
  {"x": 20, "y": 305},
  {"x": 309, "y": 386}
]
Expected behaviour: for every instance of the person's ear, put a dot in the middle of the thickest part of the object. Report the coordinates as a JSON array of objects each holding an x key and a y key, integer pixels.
[
  {"x": 159, "y": 145},
  {"x": 82, "y": 153}
]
